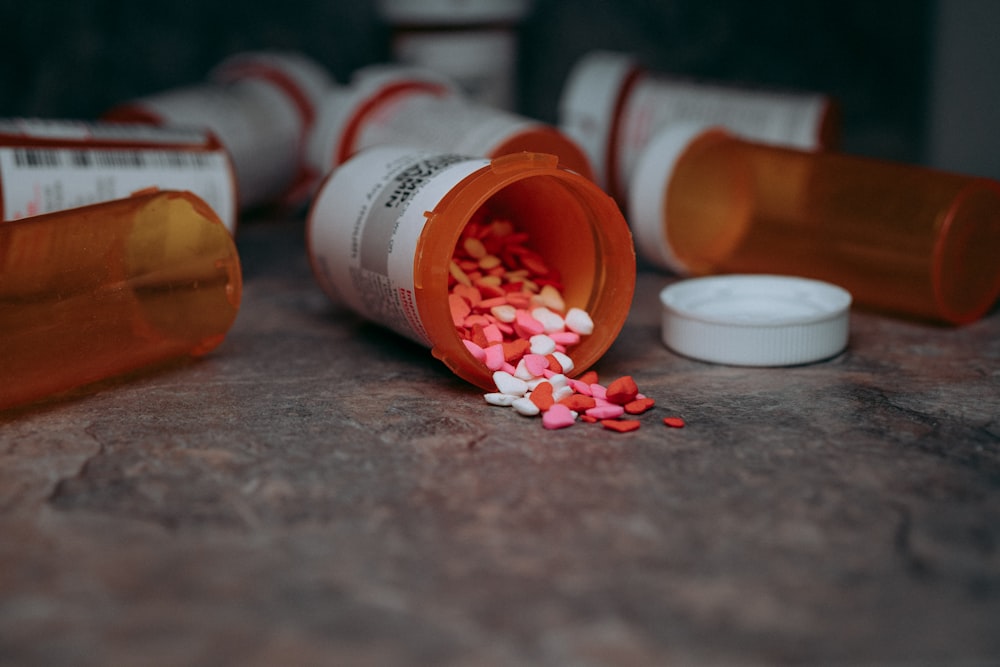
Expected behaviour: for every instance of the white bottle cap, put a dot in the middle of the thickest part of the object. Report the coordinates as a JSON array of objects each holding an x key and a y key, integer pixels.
[
  {"x": 755, "y": 320},
  {"x": 588, "y": 103}
]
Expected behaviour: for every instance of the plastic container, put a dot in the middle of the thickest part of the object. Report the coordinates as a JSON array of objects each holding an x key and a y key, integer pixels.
[
  {"x": 473, "y": 42},
  {"x": 106, "y": 289},
  {"x": 53, "y": 165},
  {"x": 261, "y": 106},
  {"x": 612, "y": 107},
  {"x": 390, "y": 105},
  {"x": 900, "y": 238},
  {"x": 383, "y": 228}
]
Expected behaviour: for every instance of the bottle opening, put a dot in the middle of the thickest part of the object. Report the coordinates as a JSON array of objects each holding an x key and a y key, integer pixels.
[
  {"x": 570, "y": 223},
  {"x": 966, "y": 274},
  {"x": 708, "y": 205},
  {"x": 175, "y": 267}
]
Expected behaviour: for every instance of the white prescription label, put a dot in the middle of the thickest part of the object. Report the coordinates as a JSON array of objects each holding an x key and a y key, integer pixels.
[
  {"x": 35, "y": 180},
  {"x": 366, "y": 224}
]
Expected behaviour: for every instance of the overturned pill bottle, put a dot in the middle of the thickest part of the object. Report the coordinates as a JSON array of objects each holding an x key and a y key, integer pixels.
[
  {"x": 612, "y": 106},
  {"x": 902, "y": 239},
  {"x": 383, "y": 230},
  {"x": 472, "y": 42},
  {"x": 388, "y": 105},
  {"x": 261, "y": 106},
  {"x": 107, "y": 289},
  {"x": 53, "y": 165}
]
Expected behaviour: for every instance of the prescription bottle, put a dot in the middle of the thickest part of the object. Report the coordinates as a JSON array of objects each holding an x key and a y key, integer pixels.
[
  {"x": 261, "y": 106},
  {"x": 902, "y": 239},
  {"x": 52, "y": 165},
  {"x": 391, "y": 105},
  {"x": 110, "y": 288},
  {"x": 612, "y": 106},
  {"x": 473, "y": 42},
  {"x": 383, "y": 229}
]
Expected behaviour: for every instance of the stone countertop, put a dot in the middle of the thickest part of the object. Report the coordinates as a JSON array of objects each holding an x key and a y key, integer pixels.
[{"x": 319, "y": 491}]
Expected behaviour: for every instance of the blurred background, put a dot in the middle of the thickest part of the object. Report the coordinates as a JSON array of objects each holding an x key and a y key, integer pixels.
[{"x": 916, "y": 79}]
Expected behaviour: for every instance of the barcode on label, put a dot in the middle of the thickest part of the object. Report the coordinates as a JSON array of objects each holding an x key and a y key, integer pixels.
[
  {"x": 115, "y": 159},
  {"x": 77, "y": 131}
]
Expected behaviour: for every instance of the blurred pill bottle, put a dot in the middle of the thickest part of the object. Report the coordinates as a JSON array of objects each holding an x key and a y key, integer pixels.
[
  {"x": 612, "y": 107},
  {"x": 261, "y": 106},
  {"x": 383, "y": 229},
  {"x": 472, "y": 42},
  {"x": 53, "y": 165},
  {"x": 102, "y": 290},
  {"x": 389, "y": 105},
  {"x": 902, "y": 239}
]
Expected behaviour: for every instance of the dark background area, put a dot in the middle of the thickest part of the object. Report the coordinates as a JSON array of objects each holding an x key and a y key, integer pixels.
[{"x": 899, "y": 68}]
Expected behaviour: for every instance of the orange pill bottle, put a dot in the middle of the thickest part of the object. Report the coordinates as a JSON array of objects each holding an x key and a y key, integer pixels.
[
  {"x": 900, "y": 238},
  {"x": 388, "y": 105},
  {"x": 261, "y": 106},
  {"x": 383, "y": 229},
  {"x": 612, "y": 106},
  {"x": 53, "y": 165},
  {"x": 101, "y": 290}
]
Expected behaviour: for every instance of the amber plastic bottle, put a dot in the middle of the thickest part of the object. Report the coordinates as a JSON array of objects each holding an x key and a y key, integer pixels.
[
  {"x": 901, "y": 238},
  {"x": 613, "y": 106},
  {"x": 98, "y": 291},
  {"x": 383, "y": 228}
]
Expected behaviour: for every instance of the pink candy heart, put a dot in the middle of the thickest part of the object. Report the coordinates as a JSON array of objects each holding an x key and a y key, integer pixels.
[{"x": 558, "y": 416}]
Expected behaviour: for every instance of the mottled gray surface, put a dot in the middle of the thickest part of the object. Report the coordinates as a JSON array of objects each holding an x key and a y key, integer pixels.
[{"x": 321, "y": 492}]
